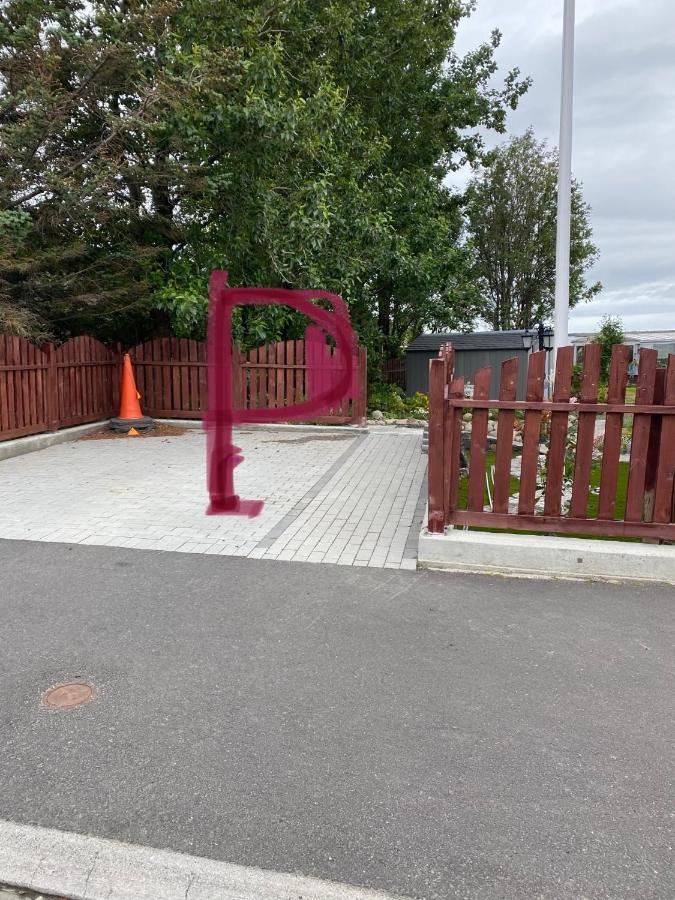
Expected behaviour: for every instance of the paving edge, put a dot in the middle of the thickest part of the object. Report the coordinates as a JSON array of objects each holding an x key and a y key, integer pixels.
[
  {"x": 32, "y": 442},
  {"x": 89, "y": 868},
  {"x": 273, "y": 426},
  {"x": 545, "y": 556}
]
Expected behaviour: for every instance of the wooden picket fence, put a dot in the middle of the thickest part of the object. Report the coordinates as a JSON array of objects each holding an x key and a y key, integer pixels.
[
  {"x": 171, "y": 377},
  {"x": 47, "y": 388},
  {"x": 650, "y": 504}
]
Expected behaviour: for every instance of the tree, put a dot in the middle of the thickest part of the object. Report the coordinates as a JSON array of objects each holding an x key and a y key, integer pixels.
[
  {"x": 144, "y": 142},
  {"x": 610, "y": 333},
  {"x": 511, "y": 223}
]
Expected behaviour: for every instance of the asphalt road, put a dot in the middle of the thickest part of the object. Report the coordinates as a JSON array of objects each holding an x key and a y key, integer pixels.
[{"x": 430, "y": 734}]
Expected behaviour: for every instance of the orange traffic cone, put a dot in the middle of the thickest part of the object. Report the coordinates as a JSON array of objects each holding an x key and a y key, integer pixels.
[{"x": 130, "y": 415}]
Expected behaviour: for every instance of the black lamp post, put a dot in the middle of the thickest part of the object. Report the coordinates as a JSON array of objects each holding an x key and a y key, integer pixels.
[
  {"x": 542, "y": 338},
  {"x": 539, "y": 337}
]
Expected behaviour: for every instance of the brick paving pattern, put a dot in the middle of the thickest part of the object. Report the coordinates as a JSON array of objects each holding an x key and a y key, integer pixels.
[{"x": 328, "y": 497}]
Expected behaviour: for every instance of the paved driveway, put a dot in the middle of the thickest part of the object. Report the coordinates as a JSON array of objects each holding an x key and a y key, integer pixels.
[{"x": 329, "y": 497}]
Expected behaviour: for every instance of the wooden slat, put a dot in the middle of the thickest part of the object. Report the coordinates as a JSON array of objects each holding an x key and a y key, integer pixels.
[
  {"x": 616, "y": 393},
  {"x": 536, "y": 371},
  {"x": 184, "y": 374},
  {"x": 162, "y": 351},
  {"x": 11, "y": 391},
  {"x": 435, "y": 479},
  {"x": 290, "y": 377},
  {"x": 32, "y": 385},
  {"x": 555, "y": 461},
  {"x": 504, "y": 452},
  {"x": 585, "y": 433},
  {"x": 4, "y": 378},
  {"x": 271, "y": 375},
  {"x": 144, "y": 375},
  {"x": 194, "y": 375},
  {"x": 456, "y": 390},
  {"x": 203, "y": 388},
  {"x": 264, "y": 378},
  {"x": 654, "y": 446},
  {"x": 95, "y": 381},
  {"x": 665, "y": 472},
  {"x": 597, "y": 408},
  {"x": 88, "y": 404},
  {"x": 281, "y": 374},
  {"x": 78, "y": 399},
  {"x": 175, "y": 374},
  {"x": 563, "y": 525},
  {"x": 637, "y": 468},
  {"x": 448, "y": 432},
  {"x": 20, "y": 419},
  {"x": 363, "y": 385},
  {"x": 238, "y": 379},
  {"x": 61, "y": 386},
  {"x": 23, "y": 385},
  {"x": 40, "y": 416},
  {"x": 479, "y": 429},
  {"x": 254, "y": 378},
  {"x": 86, "y": 381}
]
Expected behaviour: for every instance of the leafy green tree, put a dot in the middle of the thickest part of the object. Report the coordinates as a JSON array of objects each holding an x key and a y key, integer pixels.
[
  {"x": 511, "y": 222},
  {"x": 610, "y": 332},
  {"x": 144, "y": 142}
]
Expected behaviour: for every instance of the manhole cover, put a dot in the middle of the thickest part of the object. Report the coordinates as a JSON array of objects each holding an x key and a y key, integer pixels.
[{"x": 65, "y": 696}]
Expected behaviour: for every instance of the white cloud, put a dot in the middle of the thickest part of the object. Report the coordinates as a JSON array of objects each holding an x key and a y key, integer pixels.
[{"x": 624, "y": 138}]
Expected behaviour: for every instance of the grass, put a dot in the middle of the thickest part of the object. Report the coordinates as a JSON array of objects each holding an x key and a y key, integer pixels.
[
  {"x": 593, "y": 497},
  {"x": 591, "y": 511}
]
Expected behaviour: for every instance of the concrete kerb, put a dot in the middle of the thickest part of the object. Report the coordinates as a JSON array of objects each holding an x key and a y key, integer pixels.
[
  {"x": 19, "y": 446},
  {"x": 90, "y": 868},
  {"x": 544, "y": 556},
  {"x": 196, "y": 424}
]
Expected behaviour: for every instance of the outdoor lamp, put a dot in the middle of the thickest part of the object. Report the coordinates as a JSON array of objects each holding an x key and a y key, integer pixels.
[{"x": 539, "y": 337}]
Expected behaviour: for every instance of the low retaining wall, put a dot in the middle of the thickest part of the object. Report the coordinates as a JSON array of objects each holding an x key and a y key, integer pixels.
[{"x": 544, "y": 556}]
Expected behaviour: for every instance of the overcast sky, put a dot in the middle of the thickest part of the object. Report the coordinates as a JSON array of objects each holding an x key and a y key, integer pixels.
[{"x": 624, "y": 135}]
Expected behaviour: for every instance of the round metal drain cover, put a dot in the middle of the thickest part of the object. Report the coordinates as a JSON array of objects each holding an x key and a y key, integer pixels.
[{"x": 66, "y": 696}]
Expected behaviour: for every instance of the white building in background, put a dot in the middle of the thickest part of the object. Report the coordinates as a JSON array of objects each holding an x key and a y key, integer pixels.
[{"x": 661, "y": 341}]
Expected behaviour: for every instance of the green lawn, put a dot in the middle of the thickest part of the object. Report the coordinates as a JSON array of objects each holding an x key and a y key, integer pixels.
[{"x": 592, "y": 509}]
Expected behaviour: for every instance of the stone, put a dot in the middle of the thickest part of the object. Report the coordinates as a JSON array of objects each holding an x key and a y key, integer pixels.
[{"x": 377, "y": 415}]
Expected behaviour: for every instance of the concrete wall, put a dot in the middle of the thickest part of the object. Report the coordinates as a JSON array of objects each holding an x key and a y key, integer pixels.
[{"x": 467, "y": 363}]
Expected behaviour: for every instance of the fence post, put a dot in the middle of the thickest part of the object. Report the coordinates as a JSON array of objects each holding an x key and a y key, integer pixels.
[
  {"x": 665, "y": 472},
  {"x": 238, "y": 401},
  {"x": 52, "y": 388},
  {"x": 654, "y": 445},
  {"x": 361, "y": 406},
  {"x": 448, "y": 431},
  {"x": 437, "y": 382}
]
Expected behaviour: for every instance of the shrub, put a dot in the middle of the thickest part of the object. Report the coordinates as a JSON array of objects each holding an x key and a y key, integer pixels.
[
  {"x": 388, "y": 398},
  {"x": 418, "y": 406}
]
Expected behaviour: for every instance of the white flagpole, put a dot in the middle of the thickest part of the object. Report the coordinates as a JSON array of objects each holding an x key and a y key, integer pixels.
[{"x": 562, "y": 246}]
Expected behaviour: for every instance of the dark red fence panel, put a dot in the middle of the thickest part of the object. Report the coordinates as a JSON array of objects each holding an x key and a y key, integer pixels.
[
  {"x": 87, "y": 379},
  {"x": 24, "y": 395},
  {"x": 573, "y": 461},
  {"x": 171, "y": 376}
]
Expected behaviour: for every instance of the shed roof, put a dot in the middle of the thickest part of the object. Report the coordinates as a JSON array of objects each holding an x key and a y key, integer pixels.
[{"x": 477, "y": 340}]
